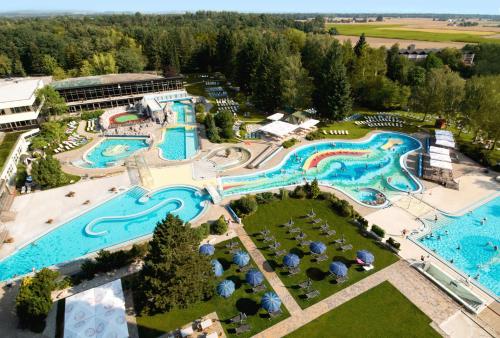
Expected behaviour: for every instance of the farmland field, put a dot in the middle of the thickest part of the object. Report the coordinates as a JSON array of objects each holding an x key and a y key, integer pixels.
[{"x": 408, "y": 33}]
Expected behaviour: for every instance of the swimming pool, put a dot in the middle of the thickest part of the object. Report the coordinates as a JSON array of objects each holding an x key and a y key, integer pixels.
[
  {"x": 184, "y": 112},
  {"x": 127, "y": 216},
  {"x": 362, "y": 169},
  {"x": 179, "y": 143},
  {"x": 467, "y": 242},
  {"x": 110, "y": 151}
]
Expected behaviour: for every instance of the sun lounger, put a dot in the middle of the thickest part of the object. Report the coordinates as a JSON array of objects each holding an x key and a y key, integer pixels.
[
  {"x": 346, "y": 247},
  {"x": 243, "y": 329},
  {"x": 339, "y": 241},
  {"x": 305, "y": 284},
  {"x": 280, "y": 253},
  {"x": 294, "y": 230},
  {"x": 341, "y": 279},
  {"x": 305, "y": 243},
  {"x": 335, "y": 132},
  {"x": 300, "y": 236},
  {"x": 205, "y": 324},
  {"x": 269, "y": 239},
  {"x": 316, "y": 220},
  {"x": 312, "y": 294},
  {"x": 259, "y": 288},
  {"x": 232, "y": 245},
  {"x": 265, "y": 232},
  {"x": 324, "y": 132},
  {"x": 289, "y": 223},
  {"x": 347, "y": 132},
  {"x": 234, "y": 250},
  {"x": 368, "y": 267},
  {"x": 330, "y": 233},
  {"x": 246, "y": 268},
  {"x": 331, "y": 132},
  {"x": 293, "y": 271},
  {"x": 275, "y": 246},
  {"x": 187, "y": 331},
  {"x": 321, "y": 258},
  {"x": 239, "y": 318},
  {"x": 275, "y": 314}
]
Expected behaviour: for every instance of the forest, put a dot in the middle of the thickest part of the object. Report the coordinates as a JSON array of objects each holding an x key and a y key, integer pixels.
[{"x": 278, "y": 61}]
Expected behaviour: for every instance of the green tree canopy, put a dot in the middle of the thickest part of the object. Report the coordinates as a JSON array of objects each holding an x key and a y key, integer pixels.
[
  {"x": 47, "y": 173},
  {"x": 53, "y": 103}
]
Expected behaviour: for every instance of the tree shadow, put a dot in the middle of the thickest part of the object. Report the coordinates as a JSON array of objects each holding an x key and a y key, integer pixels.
[
  {"x": 297, "y": 251},
  {"x": 348, "y": 262},
  {"x": 316, "y": 274},
  {"x": 248, "y": 306},
  {"x": 225, "y": 263},
  {"x": 238, "y": 282}
]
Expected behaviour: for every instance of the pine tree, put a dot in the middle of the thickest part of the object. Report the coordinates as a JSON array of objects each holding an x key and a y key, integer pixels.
[
  {"x": 360, "y": 45},
  {"x": 174, "y": 273}
]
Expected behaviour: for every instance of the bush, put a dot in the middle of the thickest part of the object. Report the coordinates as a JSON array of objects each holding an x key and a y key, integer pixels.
[
  {"x": 314, "y": 189},
  {"x": 33, "y": 302},
  {"x": 265, "y": 197},
  {"x": 362, "y": 222},
  {"x": 47, "y": 173},
  {"x": 314, "y": 135},
  {"x": 199, "y": 108},
  {"x": 393, "y": 243},
  {"x": 289, "y": 143},
  {"x": 245, "y": 206},
  {"x": 342, "y": 207},
  {"x": 378, "y": 231},
  {"x": 202, "y": 231},
  {"x": 219, "y": 227},
  {"x": 283, "y": 194},
  {"x": 87, "y": 115},
  {"x": 299, "y": 192}
]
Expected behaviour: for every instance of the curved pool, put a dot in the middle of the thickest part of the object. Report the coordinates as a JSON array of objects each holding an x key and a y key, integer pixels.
[
  {"x": 349, "y": 166},
  {"x": 110, "y": 151},
  {"x": 125, "y": 217}
]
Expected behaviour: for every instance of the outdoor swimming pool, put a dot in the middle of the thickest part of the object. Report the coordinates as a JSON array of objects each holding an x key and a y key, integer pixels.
[
  {"x": 112, "y": 150},
  {"x": 179, "y": 143},
  {"x": 365, "y": 170},
  {"x": 184, "y": 112},
  {"x": 124, "y": 217},
  {"x": 469, "y": 244}
]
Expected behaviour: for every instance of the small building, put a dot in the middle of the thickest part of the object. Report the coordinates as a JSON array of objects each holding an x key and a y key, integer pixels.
[
  {"x": 19, "y": 107},
  {"x": 416, "y": 54},
  {"x": 112, "y": 90}
]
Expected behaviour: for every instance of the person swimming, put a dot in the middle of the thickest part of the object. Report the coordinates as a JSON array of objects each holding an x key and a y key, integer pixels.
[{"x": 458, "y": 247}]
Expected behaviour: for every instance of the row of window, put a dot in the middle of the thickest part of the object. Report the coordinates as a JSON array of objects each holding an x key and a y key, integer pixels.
[
  {"x": 103, "y": 104},
  {"x": 18, "y": 125}
]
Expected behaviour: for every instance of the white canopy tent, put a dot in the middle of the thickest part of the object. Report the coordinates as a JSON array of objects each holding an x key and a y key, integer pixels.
[
  {"x": 279, "y": 128},
  {"x": 439, "y": 150},
  {"x": 97, "y": 312},
  {"x": 441, "y": 164},
  {"x": 443, "y": 132},
  {"x": 440, "y": 157},
  {"x": 445, "y": 143},
  {"x": 308, "y": 124},
  {"x": 276, "y": 117},
  {"x": 445, "y": 138}
]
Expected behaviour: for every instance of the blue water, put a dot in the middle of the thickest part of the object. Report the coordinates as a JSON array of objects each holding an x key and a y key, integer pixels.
[
  {"x": 476, "y": 241},
  {"x": 70, "y": 240},
  {"x": 380, "y": 160},
  {"x": 125, "y": 147},
  {"x": 179, "y": 143},
  {"x": 184, "y": 112}
]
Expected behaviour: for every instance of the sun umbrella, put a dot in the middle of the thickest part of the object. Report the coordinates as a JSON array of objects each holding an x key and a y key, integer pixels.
[
  {"x": 271, "y": 302},
  {"x": 207, "y": 249},
  {"x": 365, "y": 256},
  {"x": 291, "y": 260},
  {"x": 254, "y": 277},
  {"x": 338, "y": 268},
  {"x": 317, "y": 247},
  {"x": 225, "y": 288},
  {"x": 217, "y": 267},
  {"x": 241, "y": 258}
]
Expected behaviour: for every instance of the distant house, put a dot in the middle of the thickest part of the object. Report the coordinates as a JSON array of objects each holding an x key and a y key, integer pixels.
[
  {"x": 416, "y": 54},
  {"x": 468, "y": 58}
]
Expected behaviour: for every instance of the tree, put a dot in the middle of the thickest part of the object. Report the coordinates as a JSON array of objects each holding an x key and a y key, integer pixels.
[
  {"x": 314, "y": 189},
  {"x": 103, "y": 63},
  {"x": 130, "y": 60},
  {"x": 398, "y": 66},
  {"x": 296, "y": 85},
  {"x": 451, "y": 57},
  {"x": 296, "y": 39},
  {"x": 48, "y": 64},
  {"x": 416, "y": 76},
  {"x": 361, "y": 45},
  {"x": 333, "y": 31},
  {"x": 244, "y": 206},
  {"x": 224, "y": 121},
  {"x": 333, "y": 95},
  {"x": 380, "y": 18},
  {"x": 5, "y": 65},
  {"x": 211, "y": 128},
  {"x": 47, "y": 173},
  {"x": 53, "y": 103},
  {"x": 174, "y": 274},
  {"x": 432, "y": 61},
  {"x": 219, "y": 227},
  {"x": 487, "y": 58},
  {"x": 453, "y": 94},
  {"x": 34, "y": 301}
]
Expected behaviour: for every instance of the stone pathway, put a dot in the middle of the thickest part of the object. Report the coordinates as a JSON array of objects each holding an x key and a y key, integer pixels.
[{"x": 431, "y": 300}]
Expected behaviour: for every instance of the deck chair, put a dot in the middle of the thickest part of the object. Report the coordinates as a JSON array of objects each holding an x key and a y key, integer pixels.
[
  {"x": 294, "y": 230},
  {"x": 305, "y": 284},
  {"x": 305, "y": 242},
  {"x": 321, "y": 258},
  {"x": 316, "y": 220},
  {"x": 293, "y": 271},
  {"x": 246, "y": 268},
  {"x": 330, "y": 233},
  {"x": 239, "y": 318},
  {"x": 280, "y": 253},
  {"x": 259, "y": 288},
  {"x": 341, "y": 279},
  {"x": 275, "y": 314},
  {"x": 346, "y": 247},
  {"x": 312, "y": 294},
  {"x": 269, "y": 239},
  {"x": 243, "y": 328}
]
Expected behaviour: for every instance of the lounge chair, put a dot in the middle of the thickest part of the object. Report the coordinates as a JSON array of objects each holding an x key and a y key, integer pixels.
[
  {"x": 234, "y": 250},
  {"x": 289, "y": 223},
  {"x": 305, "y": 242},
  {"x": 339, "y": 241},
  {"x": 259, "y": 288},
  {"x": 312, "y": 294},
  {"x": 324, "y": 228},
  {"x": 324, "y": 132},
  {"x": 300, "y": 236},
  {"x": 280, "y": 253},
  {"x": 347, "y": 132},
  {"x": 265, "y": 232},
  {"x": 187, "y": 331},
  {"x": 330, "y": 233},
  {"x": 346, "y": 247},
  {"x": 246, "y": 268},
  {"x": 232, "y": 245},
  {"x": 243, "y": 328},
  {"x": 269, "y": 239},
  {"x": 316, "y": 220},
  {"x": 293, "y": 271},
  {"x": 239, "y": 318},
  {"x": 341, "y": 279},
  {"x": 275, "y": 246},
  {"x": 275, "y": 314},
  {"x": 295, "y": 230},
  {"x": 305, "y": 284},
  {"x": 331, "y": 132},
  {"x": 321, "y": 258}
]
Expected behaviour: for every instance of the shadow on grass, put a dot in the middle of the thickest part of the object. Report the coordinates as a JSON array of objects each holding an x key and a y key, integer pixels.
[
  {"x": 236, "y": 280},
  {"x": 346, "y": 261},
  {"x": 297, "y": 251},
  {"x": 248, "y": 306},
  {"x": 316, "y": 274},
  {"x": 225, "y": 263}
]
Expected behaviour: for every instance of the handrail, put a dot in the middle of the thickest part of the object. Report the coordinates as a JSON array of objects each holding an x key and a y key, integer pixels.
[{"x": 89, "y": 231}]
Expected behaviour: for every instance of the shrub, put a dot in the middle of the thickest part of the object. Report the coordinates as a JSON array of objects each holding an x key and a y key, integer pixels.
[
  {"x": 265, "y": 197},
  {"x": 314, "y": 189},
  {"x": 219, "y": 227},
  {"x": 325, "y": 196},
  {"x": 289, "y": 143},
  {"x": 362, "y": 222},
  {"x": 393, "y": 243},
  {"x": 299, "y": 192},
  {"x": 202, "y": 231},
  {"x": 47, "y": 173},
  {"x": 342, "y": 207},
  {"x": 199, "y": 108},
  {"x": 33, "y": 302},
  {"x": 245, "y": 206},
  {"x": 87, "y": 115},
  {"x": 314, "y": 135},
  {"x": 283, "y": 194},
  {"x": 378, "y": 231}
]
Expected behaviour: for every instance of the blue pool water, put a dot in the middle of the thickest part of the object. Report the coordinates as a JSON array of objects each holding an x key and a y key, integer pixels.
[
  {"x": 349, "y": 166},
  {"x": 184, "y": 112},
  {"x": 179, "y": 143},
  {"x": 72, "y": 240},
  {"x": 112, "y": 150},
  {"x": 477, "y": 255}
]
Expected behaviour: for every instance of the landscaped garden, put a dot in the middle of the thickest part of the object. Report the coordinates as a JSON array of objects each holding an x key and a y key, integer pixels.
[
  {"x": 272, "y": 217},
  {"x": 242, "y": 300},
  {"x": 379, "y": 312}
]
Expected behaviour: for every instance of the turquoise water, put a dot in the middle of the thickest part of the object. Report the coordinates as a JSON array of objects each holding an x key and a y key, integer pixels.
[
  {"x": 470, "y": 243},
  {"x": 179, "y": 143},
  {"x": 71, "y": 239},
  {"x": 351, "y": 166},
  {"x": 113, "y": 150},
  {"x": 184, "y": 112}
]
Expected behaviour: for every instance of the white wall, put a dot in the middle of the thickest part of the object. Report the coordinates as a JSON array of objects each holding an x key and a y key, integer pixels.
[{"x": 21, "y": 146}]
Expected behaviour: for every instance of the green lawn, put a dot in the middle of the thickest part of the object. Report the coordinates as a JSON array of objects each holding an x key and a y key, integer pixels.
[
  {"x": 8, "y": 142},
  {"x": 392, "y": 32},
  {"x": 242, "y": 300},
  {"x": 274, "y": 214},
  {"x": 379, "y": 312}
]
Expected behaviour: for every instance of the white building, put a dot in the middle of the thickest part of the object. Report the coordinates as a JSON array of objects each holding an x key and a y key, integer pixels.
[{"x": 19, "y": 108}]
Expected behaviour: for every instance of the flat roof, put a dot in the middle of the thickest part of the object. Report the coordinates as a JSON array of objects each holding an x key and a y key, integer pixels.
[
  {"x": 18, "y": 92},
  {"x": 279, "y": 128},
  {"x": 98, "y": 80}
]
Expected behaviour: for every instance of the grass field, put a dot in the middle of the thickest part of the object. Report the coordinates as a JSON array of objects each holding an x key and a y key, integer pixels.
[
  {"x": 241, "y": 300},
  {"x": 6, "y": 146},
  {"x": 379, "y": 312},
  {"x": 404, "y": 33},
  {"x": 272, "y": 216}
]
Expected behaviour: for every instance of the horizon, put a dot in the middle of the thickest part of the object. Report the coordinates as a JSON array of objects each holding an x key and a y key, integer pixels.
[{"x": 393, "y": 7}]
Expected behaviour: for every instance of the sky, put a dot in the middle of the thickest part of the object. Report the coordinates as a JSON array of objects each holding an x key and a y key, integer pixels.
[{"x": 304, "y": 6}]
